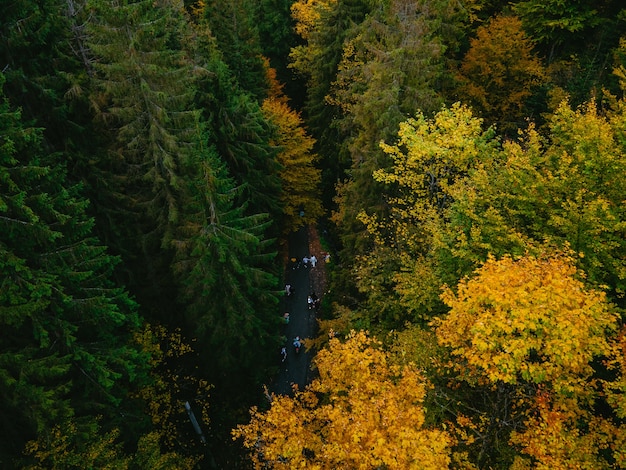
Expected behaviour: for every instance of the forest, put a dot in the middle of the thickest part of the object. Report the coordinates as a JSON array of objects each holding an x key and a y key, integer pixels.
[{"x": 464, "y": 162}]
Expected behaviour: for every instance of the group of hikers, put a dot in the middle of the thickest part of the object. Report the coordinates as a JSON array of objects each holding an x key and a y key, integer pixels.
[
  {"x": 307, "y": 261},
  {"x": 313, "y": 301}
]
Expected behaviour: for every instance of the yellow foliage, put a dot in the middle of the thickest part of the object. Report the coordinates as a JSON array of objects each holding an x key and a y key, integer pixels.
[
  {"x": 554, "y": 441},
  {"x": 58, "y": 450},
  {"x": 299, "y": 176},
  {"x": 361, "y": 413},
  {"x": 499, "y": 70},
  {"x": 528, "y": 320},
  {"x": 307, "y": 15},
  {"x": 429, "y": 159}
]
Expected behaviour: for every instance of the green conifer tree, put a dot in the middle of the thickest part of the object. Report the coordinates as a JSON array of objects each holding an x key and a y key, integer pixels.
[
  {"x": 237, "y": 128},
  {"x": 234, "y": 26},
  {"x": 230, "y": 298},
  {"x": 318, "y": 61},
  {"x": 65, "y": 349},
  {"x": 142, "y": 95}
]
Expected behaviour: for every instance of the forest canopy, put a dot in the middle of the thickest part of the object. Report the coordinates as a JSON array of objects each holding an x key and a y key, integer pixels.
[{"x": 463, "y": 162}]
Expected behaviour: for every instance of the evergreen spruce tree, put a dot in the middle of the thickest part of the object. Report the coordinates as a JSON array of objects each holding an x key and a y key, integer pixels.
[
  {"x": 142, "y": 97},
  {"x": 325, "y": 49},
  {"x": 234, "y": 26},
  {"x": 238, "y": 129},
  {"x": 66, "y": 350},
  {"x": 37, "y": 61},
  {"x": 230, "y": 298}
]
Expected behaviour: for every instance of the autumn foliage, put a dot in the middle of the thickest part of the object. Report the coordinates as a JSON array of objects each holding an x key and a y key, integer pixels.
[
  {"x": 530, "y": 327},
  {"x": 361, "y": 413},
  {"x": 299, "y": 177},
  {"x": 527, "y": 320},
  {"x": 499, "y": 71}
]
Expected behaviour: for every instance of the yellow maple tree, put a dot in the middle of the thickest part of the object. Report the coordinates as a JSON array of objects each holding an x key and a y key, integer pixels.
[{"x": 360, "y": 413}]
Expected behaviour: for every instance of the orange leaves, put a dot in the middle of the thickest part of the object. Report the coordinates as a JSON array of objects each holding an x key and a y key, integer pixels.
[
  {"x": 527, "y": 320},
  {"x": 499, "y": 70},
  {"x": 300, "y": 179},
  {"x": 360, "y": 413},
  {"x": 554, "y": 441}
]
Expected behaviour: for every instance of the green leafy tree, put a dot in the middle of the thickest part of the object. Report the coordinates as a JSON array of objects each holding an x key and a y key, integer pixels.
[
  {"x": 562, "y": 190},
  {"x": 555, "y": 21},
  {"x": 576, "y": 39}
]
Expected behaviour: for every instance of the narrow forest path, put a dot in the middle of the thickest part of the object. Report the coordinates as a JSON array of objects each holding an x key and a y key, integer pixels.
[{"x": 296, "y": 370}]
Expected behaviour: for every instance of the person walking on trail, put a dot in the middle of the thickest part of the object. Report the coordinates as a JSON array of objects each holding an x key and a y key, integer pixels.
[
  {"x": 297, "y": 344},
  {"x": 283, "y": 353},
  {"x": 313, "y": 261},
  {"x": 310, "y": 301},
  {"x": 305, "y": 262}
]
